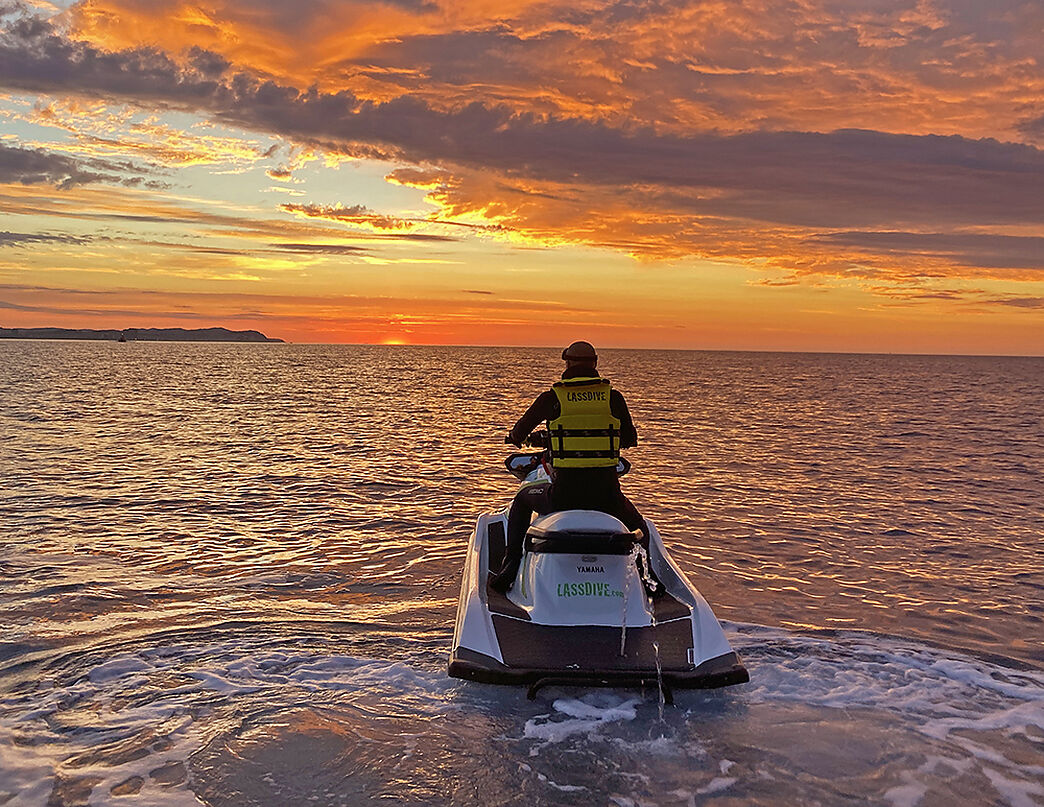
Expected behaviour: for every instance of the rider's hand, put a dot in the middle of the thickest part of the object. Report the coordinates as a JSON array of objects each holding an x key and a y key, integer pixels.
[{"x": 511, "y": 440}]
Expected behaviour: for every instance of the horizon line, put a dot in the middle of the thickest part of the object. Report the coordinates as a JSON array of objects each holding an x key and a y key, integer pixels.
[{"x": 819, "y": 352}]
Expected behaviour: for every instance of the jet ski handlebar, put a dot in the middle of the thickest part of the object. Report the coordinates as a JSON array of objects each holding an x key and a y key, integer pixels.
[{"x": 538, "y": 439}]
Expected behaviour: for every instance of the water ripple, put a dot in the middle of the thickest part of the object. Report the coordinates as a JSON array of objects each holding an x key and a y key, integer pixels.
[{"x": 200, "y": 538}]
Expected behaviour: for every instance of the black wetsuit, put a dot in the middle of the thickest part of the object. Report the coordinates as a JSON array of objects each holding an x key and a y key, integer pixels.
[{"x": 571, "y": 488}]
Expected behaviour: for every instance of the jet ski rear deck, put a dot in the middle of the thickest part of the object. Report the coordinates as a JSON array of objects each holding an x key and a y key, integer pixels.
[{"x": 579, "y": 613}]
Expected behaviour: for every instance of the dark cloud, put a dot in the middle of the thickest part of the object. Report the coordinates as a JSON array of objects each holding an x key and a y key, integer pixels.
[
  {"x": 196, "y": 248},
  {"x": 30, "y": 166},
  {"x": 1021, "y": 302},
  {"x": 324, "y": 249},
  {"x": 33, "y": 308},
  {"x": 34, "y": 166},
  {"x": 207, "y": 64},
  {"x": 9, "y": 239},
  {"x": 190, "y": 315},
  {"x": 913, "y": 294},
  {"x": 1033, "y": 128},
  {"x": 32, "y": 289},
  {"x": 986, "y": 251}
]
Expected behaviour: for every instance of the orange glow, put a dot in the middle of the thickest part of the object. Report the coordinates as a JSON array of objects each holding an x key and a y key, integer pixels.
[{"x": 693, "y": 174}]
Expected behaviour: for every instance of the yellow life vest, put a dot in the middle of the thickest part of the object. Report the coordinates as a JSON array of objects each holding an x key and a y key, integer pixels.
[{"x": 585, "y": 434}]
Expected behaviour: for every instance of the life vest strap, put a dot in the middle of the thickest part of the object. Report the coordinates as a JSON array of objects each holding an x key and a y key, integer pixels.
[
  {"x": 610, "y": 432},
  {"x": 586, "y": 455},
  {"x": 560, "y": 433}
]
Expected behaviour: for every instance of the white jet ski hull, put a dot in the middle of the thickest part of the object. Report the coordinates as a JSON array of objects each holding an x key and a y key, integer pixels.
[{"x": 592, "y": 627}]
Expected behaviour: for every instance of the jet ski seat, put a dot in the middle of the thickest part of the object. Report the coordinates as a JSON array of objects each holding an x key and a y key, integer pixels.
[{"x": 586, "y": 532}]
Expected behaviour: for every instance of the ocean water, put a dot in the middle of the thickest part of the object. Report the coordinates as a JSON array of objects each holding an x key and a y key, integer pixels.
[{"x": 229, "y": 575}]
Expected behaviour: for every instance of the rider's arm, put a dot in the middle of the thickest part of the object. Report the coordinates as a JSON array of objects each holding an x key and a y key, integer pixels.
[
  {"x": 618, "y": 406},
  {"x": 539, "y": 411}
]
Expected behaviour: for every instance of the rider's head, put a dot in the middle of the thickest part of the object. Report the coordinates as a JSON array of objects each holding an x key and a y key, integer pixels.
[{"x": 580, "y": 354}]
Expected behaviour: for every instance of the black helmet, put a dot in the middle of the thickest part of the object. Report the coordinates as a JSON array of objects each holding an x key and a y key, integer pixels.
[{"x": 580, "y": 351}]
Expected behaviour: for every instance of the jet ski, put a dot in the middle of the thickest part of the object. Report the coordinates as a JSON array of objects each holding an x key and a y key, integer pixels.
[{"x": 589, "y": 607}]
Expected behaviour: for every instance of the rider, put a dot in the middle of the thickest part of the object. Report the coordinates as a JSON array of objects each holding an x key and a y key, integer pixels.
[{"x": 588, "y": 423}]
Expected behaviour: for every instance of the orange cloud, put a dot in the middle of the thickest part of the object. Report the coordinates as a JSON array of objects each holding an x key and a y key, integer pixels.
[
  {"x": 102, "y": 131},
  {"x": 907, "y": 66}
]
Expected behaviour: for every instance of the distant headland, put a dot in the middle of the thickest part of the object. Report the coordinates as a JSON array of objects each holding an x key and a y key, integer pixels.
[{"x": 139, "y": 334}]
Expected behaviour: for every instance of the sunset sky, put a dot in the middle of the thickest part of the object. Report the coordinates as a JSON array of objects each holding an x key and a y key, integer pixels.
[{"x": 771, "y": 175}]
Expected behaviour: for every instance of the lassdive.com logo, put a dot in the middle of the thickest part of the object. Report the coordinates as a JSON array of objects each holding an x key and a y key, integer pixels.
[{"x": 588, "y": 589}]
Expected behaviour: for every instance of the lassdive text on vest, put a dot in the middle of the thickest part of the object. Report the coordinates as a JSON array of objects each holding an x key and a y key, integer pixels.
[{"x": 585, "y": 434}]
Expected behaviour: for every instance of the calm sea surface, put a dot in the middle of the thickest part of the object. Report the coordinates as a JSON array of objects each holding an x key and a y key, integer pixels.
[{"x": 229, "y": 575}]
